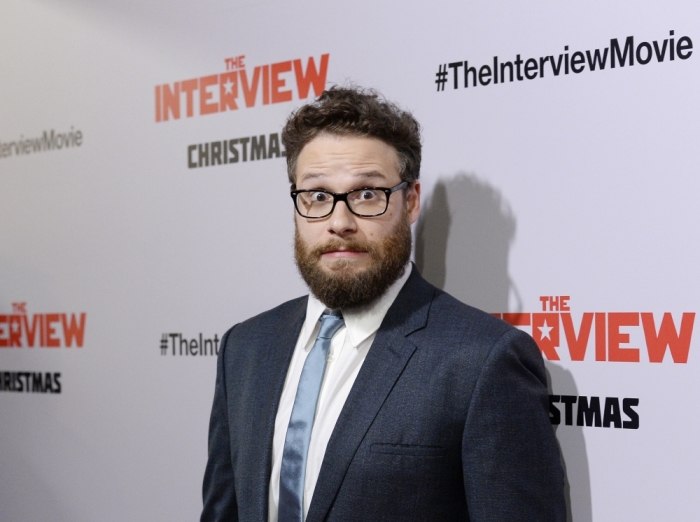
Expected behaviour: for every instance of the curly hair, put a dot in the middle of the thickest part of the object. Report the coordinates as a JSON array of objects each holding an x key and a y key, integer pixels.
[{"x": 353, "y": 111}]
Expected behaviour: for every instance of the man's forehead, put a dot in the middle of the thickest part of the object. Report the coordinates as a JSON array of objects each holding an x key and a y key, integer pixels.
[{"x": 359, "y": 156}]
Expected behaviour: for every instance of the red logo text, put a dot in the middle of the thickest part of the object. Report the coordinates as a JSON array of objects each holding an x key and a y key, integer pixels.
[
  {"x": 239, "y": 87},
  {"x": 605, "y": 336},
  {"x": 47, "y": 330}
]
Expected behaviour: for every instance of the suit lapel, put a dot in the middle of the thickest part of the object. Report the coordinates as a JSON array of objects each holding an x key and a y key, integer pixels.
[
  {"x": 278, "y": 347},
  {"x": 386, "y": 359}
]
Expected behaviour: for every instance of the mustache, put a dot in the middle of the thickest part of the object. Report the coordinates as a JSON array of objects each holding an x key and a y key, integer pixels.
[{"x": 348, "y": 244}]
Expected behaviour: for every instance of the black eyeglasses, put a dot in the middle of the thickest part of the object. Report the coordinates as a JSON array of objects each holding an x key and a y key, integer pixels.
[{"x": 363, "y": 202}]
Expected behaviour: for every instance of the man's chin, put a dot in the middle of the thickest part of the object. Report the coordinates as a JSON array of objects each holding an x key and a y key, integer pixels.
[{"x": 349, "y": 265}]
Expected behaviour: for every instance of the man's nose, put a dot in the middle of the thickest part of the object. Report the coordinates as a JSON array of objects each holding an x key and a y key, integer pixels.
[{"x": 342, "y": 222}]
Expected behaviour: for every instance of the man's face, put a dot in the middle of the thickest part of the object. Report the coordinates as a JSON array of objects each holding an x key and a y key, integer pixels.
[{"x": 348, "y": 260}]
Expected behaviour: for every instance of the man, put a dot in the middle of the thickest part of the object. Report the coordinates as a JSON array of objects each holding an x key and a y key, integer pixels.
[{"x": 378, "y": 397}]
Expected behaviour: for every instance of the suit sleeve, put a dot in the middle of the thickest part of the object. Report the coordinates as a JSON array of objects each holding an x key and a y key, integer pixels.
[
  {"x": 218, "y": 490},
  {"x": 511, "y": 464}
]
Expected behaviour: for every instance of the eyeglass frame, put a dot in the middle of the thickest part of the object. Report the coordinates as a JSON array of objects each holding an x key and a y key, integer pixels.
[{"x": 343, "y": 196}]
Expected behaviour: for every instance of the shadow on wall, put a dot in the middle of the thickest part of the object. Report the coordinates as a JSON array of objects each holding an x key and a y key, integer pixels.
[
  {"x": 572, "y": 446},
  {"x": 463, "y": 241}
]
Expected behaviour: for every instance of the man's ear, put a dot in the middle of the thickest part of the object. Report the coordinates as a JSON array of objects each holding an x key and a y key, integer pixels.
[{"x": 413, "y": 201}]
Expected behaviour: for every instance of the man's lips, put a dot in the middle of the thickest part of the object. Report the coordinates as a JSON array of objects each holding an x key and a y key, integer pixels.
[{"x": 343, "y": 253}]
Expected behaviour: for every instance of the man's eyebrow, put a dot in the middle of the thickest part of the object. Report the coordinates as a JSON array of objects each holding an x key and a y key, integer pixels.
[
  {"x": 371, "y": 174},
  {"x": 312, "y": 175}
]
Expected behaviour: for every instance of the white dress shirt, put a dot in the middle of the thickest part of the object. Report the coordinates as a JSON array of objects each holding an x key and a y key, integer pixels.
[{"x": 349, "y": 347}]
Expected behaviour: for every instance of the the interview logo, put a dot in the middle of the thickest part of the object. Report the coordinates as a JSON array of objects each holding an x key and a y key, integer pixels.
[
  {"x": 605, "y": 336},
  {"x": 239, "y": 87},
  {"x": 44, "y": 330}
]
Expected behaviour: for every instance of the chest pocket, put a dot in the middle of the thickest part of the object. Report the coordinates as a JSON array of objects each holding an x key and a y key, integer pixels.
[{"x": 409, "y": 450}]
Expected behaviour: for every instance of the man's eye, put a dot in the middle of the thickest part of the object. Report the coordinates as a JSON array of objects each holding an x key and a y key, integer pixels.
[
  {"x": 366, "y": 195},
  {"x": 319, "y": 197}
]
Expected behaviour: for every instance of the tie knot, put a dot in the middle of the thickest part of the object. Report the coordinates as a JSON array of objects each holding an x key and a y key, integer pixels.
[{"x": 330, "y": 323}]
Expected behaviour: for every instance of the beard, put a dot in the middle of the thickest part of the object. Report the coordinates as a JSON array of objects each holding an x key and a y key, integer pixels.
[{"x": 339, "y": 285}]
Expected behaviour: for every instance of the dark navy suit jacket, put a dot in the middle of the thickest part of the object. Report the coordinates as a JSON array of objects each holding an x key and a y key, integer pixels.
[{"x": 447, "y": 420}]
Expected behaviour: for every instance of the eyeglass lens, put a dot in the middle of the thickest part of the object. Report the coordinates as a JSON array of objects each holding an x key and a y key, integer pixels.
[{"x": 365, "y": 202}]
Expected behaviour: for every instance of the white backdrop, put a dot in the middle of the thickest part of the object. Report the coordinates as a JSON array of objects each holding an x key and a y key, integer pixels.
[{"x": 581, "y": 185}]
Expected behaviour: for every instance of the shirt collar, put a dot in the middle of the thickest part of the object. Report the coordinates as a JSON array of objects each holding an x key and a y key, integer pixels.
[{"x": 361, "y": 322}]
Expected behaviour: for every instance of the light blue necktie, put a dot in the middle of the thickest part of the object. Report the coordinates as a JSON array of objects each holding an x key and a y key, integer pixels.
[{"x": 296, "y": 443}]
